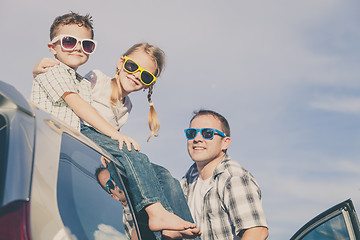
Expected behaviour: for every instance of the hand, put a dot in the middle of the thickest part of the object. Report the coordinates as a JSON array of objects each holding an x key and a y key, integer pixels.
[
  {"x": 43, "y": 65},
  {"x": 121, "y": 138},
  {"x": 104, "y": 161}
]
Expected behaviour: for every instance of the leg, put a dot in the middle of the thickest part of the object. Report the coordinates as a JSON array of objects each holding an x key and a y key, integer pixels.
[
  {"x": 174, "y": 194},
  {"x": 142, "y": 187},
  {"x": 143, "y": 184}
]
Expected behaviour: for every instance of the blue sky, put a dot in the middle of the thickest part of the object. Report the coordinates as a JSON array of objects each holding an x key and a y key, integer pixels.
[{"x": 284, "y": 73}]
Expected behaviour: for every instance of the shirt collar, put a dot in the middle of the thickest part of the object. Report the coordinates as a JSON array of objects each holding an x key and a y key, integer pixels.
[
  {"x": 222, "y": 166},
  {"x": 71, "y": 71},
  {"x": 193, "y": 173}
]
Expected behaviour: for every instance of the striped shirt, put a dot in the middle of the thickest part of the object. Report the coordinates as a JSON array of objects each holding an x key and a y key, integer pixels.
[
  {"x": 49, "y": 87},
  {"x": 231, "y": 204}
]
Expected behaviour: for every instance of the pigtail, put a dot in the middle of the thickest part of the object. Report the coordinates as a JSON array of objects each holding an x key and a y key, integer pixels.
[
  {"x": 115, "y": 93},
  {"x": 153, "y": 121}
]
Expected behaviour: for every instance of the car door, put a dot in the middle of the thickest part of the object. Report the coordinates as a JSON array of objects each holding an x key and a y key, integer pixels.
[
  {"x": 338, "y": 222},
  {"x": 86, "y": 209}
]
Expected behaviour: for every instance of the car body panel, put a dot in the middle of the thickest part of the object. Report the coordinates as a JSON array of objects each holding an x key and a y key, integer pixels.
[{"x": 30, "y": 165}]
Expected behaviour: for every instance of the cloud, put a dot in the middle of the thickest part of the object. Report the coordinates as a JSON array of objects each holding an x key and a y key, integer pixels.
[
  {"x": 108, "y": 232},
  {"x": 346, "y": 104}
]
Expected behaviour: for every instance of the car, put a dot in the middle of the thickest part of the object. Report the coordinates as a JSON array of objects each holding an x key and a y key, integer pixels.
[
  {"x": 338, "y": 222},
  {"x": 48, "y": 187}
]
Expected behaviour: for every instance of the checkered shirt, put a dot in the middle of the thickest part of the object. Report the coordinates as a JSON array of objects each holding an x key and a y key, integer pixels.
[
  {"x": 48, "y": 88},
  {"x": 128, "y": 221},
  {"x": 231, "y": 204}
]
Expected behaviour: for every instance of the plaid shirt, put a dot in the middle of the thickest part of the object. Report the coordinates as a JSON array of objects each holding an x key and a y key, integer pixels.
[
  {"x": 231, "y": 204},
  {"x": 48, "y": 88}
]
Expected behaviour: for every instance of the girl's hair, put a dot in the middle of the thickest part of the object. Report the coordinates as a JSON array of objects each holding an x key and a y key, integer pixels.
[
  {"x": 159, "y": 58},
  {"x": 72, "y": 18}
]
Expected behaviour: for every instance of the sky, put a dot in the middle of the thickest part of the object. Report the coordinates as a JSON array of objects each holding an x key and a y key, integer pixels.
[{"x": 284, "y": 73}]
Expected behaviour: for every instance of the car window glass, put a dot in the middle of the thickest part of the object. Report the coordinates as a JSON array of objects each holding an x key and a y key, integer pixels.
[
  {"x": 333, "y": 229},
  {"x": 3, "y": 153},
  {"x": 86, "y": 209}
]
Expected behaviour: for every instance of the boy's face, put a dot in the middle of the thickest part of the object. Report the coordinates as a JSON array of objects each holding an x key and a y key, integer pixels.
[{"x": 75, "y": 57}]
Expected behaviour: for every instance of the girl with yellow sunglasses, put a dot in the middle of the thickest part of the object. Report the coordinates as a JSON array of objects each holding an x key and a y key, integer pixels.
[{"x": 137, "y": 69}]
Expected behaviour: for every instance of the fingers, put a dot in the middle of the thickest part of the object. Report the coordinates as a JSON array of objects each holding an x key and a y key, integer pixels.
[
  {"x": 104, "y": 161},
  {"x": 128, "y": 141},
  {"x": 121, "y": 138},
  {"x": 43, "y": 65},
  {"x": 136, "y": 145}
]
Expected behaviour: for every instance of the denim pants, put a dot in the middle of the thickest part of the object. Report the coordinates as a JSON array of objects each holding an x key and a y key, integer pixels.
[{"x": 147, "y": 182}]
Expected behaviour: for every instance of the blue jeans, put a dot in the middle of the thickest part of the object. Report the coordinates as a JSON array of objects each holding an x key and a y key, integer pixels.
[{"x": 147, "y": 182}]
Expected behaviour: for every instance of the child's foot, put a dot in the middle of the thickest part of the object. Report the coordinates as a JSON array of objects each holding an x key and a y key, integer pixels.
[
  {"x": 161, "y": 219},
  {"x": 190, "y": 233}
]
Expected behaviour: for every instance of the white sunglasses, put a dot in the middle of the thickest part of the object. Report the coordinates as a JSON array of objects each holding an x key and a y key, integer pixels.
[{"x": 69, "y": 43}]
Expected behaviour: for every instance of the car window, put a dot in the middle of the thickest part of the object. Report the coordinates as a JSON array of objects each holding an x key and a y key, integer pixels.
[
  {"x": 86, "y": 209},
  {"x": 339, "y": 222},
  {"x": 3, "y": 153},
  {"x": 333, "y": 229}
]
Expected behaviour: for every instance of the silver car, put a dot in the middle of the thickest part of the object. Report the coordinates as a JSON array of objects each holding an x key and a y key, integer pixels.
[{"x": 48, "y": 188}]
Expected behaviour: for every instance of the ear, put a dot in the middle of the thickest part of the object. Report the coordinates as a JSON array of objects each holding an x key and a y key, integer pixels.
[
  {"x": 120, "y": 63},
  {"x": 51, "y": 46},
  {"x": 226, "y": 143}
]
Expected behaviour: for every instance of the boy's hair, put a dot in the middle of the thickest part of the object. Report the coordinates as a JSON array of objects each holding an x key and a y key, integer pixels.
[
  {"x": 97, "y": 173},
  {"x": 72, "y": 18},
  {"x": 224, "y": 123},
  {"x": 159, "y": 58}
]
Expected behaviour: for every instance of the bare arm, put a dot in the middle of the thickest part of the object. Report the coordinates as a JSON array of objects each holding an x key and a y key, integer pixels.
[
  {"x": 255, "y": 233},
  {"x": 86, "y": 112}
]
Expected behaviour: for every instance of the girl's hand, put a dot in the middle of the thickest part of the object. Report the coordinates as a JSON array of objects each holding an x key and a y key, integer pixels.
[
  {"x": 121, "y": 138},
  {"x": 43, "y": 65}
]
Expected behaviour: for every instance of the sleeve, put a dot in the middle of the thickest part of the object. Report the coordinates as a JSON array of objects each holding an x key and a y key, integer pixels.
[
  {"x": 92, "y": 77},
  {"x": 127, "y": 221},
  {"x": 56, "y": 82},
  {"x": 242, "y": 199}
]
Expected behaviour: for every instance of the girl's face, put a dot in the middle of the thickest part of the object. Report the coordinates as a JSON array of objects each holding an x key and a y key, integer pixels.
[{"x": 130, "y": 82}]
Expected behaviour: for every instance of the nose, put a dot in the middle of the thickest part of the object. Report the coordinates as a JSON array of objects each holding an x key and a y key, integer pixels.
[
  {"x": 198, "y": 137},
  {"x": 137, "y": 74},
  {"x": 78, "y": 46}
]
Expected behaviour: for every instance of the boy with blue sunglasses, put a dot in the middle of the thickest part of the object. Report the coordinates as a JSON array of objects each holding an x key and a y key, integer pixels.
[{"x": 223, "y": 197}]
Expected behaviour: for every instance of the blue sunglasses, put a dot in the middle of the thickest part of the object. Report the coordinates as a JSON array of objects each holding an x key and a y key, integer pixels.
[
  {"x": 206, "y": 133},
  {"x": 110, "y": 185}
]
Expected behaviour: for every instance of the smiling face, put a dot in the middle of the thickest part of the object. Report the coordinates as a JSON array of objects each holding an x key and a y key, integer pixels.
[
  {"x": 207, "y": 152},
  {"x": 116, "y": 194},
  {"x": 76, "y": 57},
  {"x": 130, "y": 82}
]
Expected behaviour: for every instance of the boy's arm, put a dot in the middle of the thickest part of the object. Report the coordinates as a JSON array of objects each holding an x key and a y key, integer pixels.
[{"x": 87, "y": 113}]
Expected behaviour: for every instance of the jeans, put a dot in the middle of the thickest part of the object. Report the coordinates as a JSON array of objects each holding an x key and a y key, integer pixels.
[{"x": 147, "y": 182}]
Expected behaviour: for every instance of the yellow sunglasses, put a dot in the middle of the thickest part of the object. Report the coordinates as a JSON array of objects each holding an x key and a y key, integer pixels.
[{"x": 131, "y": 66}]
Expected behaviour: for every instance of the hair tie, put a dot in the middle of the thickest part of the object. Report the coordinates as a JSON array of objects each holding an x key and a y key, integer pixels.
[
  {"x": 151, "y": 104},
  {"x": 117, "y": 73}
]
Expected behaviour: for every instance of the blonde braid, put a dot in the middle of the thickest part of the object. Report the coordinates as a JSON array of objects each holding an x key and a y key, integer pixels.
[
  {"x": 153, "y": 121},
  {"x": 115, "y": 93}
]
